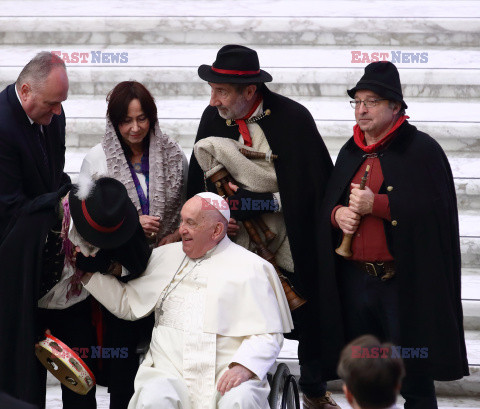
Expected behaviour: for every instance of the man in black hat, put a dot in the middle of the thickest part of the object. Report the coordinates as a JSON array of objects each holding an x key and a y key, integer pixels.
[
  {"x": 106, "y": 225},
  {"x": 242, "y": 108},
  {"x": 402, "y": 280}
]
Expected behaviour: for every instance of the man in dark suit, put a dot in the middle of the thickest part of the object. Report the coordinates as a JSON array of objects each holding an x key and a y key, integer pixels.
[
  {"x": 32, "y": 182},
  {"x": 32, "y": 136}
]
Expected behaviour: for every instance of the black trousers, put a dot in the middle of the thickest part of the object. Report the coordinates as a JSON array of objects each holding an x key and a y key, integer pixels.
[
  {"x": 311, "y": 382},
  {"x": 73, "y": 326},
  {"x": 120, "y": 372},
  {"x": 370, "y": 306}
]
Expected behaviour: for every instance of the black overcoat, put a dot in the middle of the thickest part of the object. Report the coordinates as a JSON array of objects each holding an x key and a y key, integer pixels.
[
  {"x": 302, "y": 168},
  {"x": 28, "y": 200},
  {"x": 423, "y": 237},
  {"x": 23, "y": 173}
]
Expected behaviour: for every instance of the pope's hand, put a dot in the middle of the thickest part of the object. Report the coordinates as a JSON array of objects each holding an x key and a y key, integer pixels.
[{"x": 233, "y": 377}]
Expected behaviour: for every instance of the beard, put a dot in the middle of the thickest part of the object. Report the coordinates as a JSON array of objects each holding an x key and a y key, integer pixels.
[{"x": 238, "y": 110}]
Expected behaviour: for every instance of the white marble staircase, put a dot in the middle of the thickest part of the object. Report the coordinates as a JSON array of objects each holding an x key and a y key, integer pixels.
[{"x": 310, "y": 48}]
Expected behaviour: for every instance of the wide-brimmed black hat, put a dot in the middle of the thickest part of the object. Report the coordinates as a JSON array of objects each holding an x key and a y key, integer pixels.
[
  {"x": 106, "y": 218},
  {"x": 235, "y": 64},
  {"x": 382, "y": 78}
]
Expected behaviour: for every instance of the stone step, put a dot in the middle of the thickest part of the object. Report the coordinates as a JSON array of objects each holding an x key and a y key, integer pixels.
[
  {"x": 327, "y": 109},
  {"x": 471, "y": 301},
  {"x": 261, "y": 30},
  {"x": 271, "y": 56},
  {"x": 468, "y": 193},
  {"x": 470, "y": 249},
  {"x": 454, "y": 137},
  {"x": 327, "y": 82},
  {"x": 453, "y": 123},
  {"x": 471, "y": 314},
  {"x": 249, "y": 8},
  {"x": 467, "y": 387},
  {"x": 471, "y": 285}
]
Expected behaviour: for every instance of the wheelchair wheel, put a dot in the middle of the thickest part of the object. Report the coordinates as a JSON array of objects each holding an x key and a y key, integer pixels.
[
  {"x": 290, "y": 397},
  {"x": 284, "y": 386}
]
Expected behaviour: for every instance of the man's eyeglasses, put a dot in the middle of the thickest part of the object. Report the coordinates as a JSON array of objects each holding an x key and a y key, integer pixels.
[{"x": 369, "y": 103}]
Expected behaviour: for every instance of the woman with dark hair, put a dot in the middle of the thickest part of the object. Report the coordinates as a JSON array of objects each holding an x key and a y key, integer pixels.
[
  {"x": 150, "y": 164},
  {"x": 152, "y": 167}
]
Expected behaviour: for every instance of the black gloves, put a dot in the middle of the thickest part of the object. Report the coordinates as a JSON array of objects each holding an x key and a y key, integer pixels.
[
  {"x": 47, "y": 201},
  {"x": 245, "y": 205}
]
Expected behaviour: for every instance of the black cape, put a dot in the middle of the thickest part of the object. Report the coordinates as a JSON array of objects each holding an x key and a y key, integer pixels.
[
  {"x": 425, "y": 244},
  {"x": 302, "y": 168}
]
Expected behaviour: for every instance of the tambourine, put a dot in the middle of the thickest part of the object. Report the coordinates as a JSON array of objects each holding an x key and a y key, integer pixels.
[{"x": 65, "y": 365}]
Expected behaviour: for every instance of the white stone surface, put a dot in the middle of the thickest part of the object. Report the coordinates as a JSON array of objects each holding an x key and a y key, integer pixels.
[
  {"x": 298, "y": 57},
  {"x": 471, "y": 287},
  {"x": 332, "y": 109},
  {"x": 326, "y": 81},
  {"x": 470, "y": 225},
  {"x": 270, "y": 30},
  {"x": 266, "y": 8}
]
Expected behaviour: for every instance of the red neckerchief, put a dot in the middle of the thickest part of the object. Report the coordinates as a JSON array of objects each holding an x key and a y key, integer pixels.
[
  {"x": 359, "y": 137},
  {"x": 242, "y": 126}
]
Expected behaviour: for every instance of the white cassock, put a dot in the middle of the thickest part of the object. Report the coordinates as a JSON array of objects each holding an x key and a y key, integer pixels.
[{"x": 225, "y": 307}]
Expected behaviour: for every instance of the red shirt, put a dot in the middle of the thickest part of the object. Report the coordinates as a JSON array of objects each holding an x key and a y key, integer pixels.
[{"x": 369, "y": 242}]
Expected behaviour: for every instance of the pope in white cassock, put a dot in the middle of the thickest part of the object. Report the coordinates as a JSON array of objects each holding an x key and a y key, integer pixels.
[{"x": 220, "y": 312}]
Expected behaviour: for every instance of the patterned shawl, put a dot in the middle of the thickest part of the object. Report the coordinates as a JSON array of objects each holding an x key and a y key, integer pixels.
[{"x": 166, "y": 175}]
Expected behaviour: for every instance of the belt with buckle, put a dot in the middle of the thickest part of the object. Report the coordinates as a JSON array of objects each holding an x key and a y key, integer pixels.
[{"x": 384, "y": 270}]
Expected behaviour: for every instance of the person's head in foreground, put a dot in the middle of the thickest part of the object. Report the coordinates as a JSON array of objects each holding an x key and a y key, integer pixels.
[
  {"x": 204, "y": 221},
  {"x": 372, "y": 378}
]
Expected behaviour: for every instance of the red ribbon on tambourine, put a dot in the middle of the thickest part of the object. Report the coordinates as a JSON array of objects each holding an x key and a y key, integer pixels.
[{"x": 65, "y": 365}]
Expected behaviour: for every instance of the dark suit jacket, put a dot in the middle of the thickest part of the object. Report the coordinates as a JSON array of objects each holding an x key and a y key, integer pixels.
[
  {"x": 28, "y": 201},
  {"x": 23, "y": 173}
]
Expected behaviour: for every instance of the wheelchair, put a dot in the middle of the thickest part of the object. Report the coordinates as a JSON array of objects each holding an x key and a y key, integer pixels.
[
  {"x": 283, "y": 385},
  {"x": 283, "y": 389}
]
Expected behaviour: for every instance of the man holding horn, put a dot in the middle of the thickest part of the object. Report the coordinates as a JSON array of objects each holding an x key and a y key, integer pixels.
[
  {"x": 402, "y": 280},
  {"x": 286, "y": 188}
]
